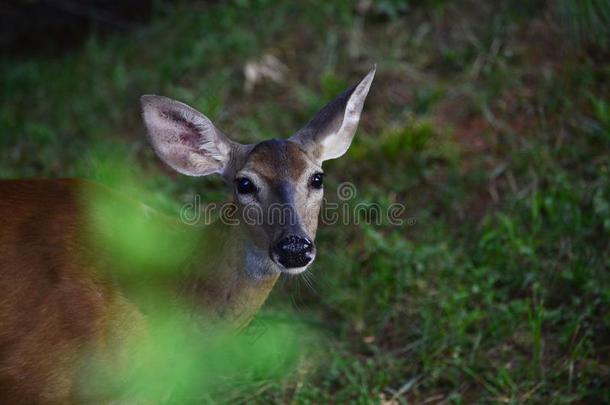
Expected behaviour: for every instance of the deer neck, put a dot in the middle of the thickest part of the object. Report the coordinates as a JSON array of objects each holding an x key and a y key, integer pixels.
[{"x": 229, "y": 279}]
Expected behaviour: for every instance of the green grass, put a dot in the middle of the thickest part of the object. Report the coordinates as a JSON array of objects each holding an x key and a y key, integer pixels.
[{"x": 489, "y": 125}]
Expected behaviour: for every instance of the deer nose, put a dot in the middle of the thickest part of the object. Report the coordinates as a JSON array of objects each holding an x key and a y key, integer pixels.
[{"x": 293, "y": 251}]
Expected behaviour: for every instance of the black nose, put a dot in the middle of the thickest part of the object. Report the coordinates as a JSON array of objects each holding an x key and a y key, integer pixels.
[{"x": 293, "y": 251}]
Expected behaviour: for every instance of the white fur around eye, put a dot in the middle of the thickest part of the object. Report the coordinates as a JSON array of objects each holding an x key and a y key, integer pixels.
[{"x": 249, "y": 198}]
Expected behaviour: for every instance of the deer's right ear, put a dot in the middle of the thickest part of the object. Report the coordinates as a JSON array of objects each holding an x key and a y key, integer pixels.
[
  {"x": 329, "y": 134},
  {"x": 184, "y": 138}
]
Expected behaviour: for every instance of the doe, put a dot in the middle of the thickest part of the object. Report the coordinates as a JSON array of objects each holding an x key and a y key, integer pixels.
[{"x": 61, "y": 292}]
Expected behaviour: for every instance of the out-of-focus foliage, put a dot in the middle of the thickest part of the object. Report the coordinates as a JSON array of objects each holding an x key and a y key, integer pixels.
[
  {"x": 587, "y": 21},
  {"x": 175, "y": 361},
  {"x": 488, "y": 120}
]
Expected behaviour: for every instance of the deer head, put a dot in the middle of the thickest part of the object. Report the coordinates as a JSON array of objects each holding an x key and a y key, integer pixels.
[{"x": 277, "y": 185}]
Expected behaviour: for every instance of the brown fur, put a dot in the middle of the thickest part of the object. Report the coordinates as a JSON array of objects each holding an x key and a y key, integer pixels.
[
  {"x": 47, "y": 308},
  {"x": 59, "y": 297},
  {"x": 276, "y": 159}
]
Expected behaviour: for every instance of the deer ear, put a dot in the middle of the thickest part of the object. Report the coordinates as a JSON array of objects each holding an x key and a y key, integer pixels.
[
  {"x": 329, "y": 134},
  {"x": 184, "y": 138}
]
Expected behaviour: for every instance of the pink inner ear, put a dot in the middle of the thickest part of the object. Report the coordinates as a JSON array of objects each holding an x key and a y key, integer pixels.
[{"x": 188, "y": 139}]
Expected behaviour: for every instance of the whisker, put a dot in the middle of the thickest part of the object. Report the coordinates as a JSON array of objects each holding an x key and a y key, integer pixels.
[
  {"x": 296, "y": 294},
  {"x": 308, "y": 279}
]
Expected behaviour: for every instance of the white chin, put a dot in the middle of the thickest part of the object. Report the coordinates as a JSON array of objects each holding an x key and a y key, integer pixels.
[{"x": 293, "y": 270}]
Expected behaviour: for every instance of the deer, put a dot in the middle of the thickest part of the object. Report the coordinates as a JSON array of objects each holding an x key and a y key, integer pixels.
[{"x": 59, "y": 292}]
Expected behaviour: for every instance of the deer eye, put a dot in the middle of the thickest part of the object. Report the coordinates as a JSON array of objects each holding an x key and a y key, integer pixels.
[
  {"x": 245, "y": 186},
  {"x": 317, "y": 180}
]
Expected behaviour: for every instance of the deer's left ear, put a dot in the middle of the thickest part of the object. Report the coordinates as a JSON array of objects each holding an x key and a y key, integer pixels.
[{"x": 329, "y": 134}]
